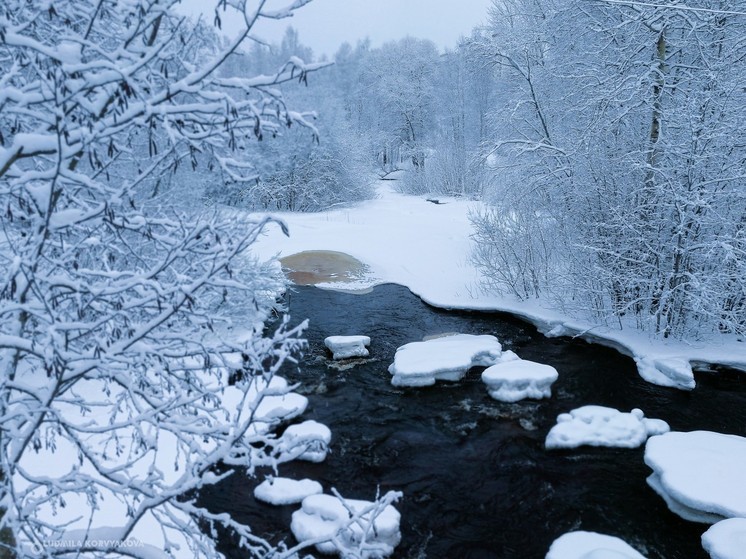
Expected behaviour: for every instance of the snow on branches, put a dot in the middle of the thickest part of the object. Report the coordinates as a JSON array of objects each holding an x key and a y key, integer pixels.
[{"x": 114, "y": 358}]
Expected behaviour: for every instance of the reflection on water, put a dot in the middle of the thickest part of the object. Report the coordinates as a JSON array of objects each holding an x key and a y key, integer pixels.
[
  {"x": 312, "y": 267},
  {"x": 476, "y": 478}
]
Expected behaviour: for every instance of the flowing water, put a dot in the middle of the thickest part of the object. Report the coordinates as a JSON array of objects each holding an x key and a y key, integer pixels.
[{"x": 476, "y": 478}]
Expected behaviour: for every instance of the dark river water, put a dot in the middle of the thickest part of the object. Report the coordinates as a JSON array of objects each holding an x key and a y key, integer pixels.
[{"x": 476, "y": 478}]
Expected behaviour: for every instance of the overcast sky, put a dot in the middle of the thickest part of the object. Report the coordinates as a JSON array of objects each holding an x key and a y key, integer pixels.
[{"x": 325, "y": 24}]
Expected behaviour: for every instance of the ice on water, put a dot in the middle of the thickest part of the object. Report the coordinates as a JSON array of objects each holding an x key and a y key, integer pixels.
[
  {"x": 514, "y": 379},
  {"x": 446, "y": 358},
  {"x": 344, "y": 347},
  {"x": 286, "y": 491},
  {"x": 602, "y": 426},
  {"x": 726, "y": 539},
  {"x": 700, "y": 474},
  {"x": 306, "y": 441},
  {"x": 591, "y": 545},
  {"x": 324, "y": 516}
]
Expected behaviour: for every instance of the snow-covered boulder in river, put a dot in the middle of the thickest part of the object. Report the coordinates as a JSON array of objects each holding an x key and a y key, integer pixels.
[
  {"x": 323, "y": 516},
  {"x": 446, "y": 358},
  {"x": 726, "y": 539},
  {"x": 286, "y": 491},
  {"x": 602, "y": 426},
  {"x": 700, "y": 474},
  {"x": 306, "y": 441},
  {"x": 516, "y": 379},
  {"x": 344, "y": 347},
  {"x": 591, "y": 545}
]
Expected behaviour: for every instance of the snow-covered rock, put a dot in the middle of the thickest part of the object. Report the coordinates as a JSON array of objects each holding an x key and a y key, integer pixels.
[
  {"x": 306, "y": 441},
  {"x": 344, "y": 347},
  {"x": 602, "y": 426},
  {"x": 700, "y": 474},
  {"x": 726, "y": 539},
  {"x": 447, "y": 358},
  {"x": 672, "y": 371},
  {"x": 516, "y": 379},
  {"x": 273, "y": 401},
  {"x": 323, "y": 516},
  {"x": 286, "y": 491},
  {"x": 591, "y": 545}
]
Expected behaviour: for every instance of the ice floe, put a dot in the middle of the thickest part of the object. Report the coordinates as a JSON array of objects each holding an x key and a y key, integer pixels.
[
  {"x": 591, "y": 545},
  {"x": 345, "y": 524},
  {"x": 602, "y": 426},
  {"x": 344, "y": 347},
  {"x": 306, "y": 441},
  {"x": 726, "y": 539},
  {"x": 447, "y": 358},
  {"x": 286, "y": 491},
  {"x": 516, "y": 379},
  {"x": 700, "y": 474}
]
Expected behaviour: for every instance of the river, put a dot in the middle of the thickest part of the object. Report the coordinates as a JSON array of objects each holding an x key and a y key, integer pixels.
[{"x": 476, "y": 478}]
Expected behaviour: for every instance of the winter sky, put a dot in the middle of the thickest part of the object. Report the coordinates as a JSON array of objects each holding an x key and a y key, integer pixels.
[{"x": 325, "y": 24}]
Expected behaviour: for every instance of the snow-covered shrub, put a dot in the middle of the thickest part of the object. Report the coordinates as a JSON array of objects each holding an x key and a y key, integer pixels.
[{"x": 116, "y": 344}]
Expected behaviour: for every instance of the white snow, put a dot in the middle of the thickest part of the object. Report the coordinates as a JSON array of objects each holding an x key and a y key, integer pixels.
[
  {"x": 446, "y": 358},
  {"x": 323, "y": 516},
  {"x": 674, "y": 372},
  {"x": 700, "y": 474},
  {"x": 286, "y": 491},
  {"x": 517, "y": 379},
  {"x": 306, "y": 441},
  {"x": 591, "y": 545},
  {"x": 602, "y": 426},
  {"x": 726, "y": 539},
  {"x": 425, "y": 247},
  {"x": 344, "y": 347}
]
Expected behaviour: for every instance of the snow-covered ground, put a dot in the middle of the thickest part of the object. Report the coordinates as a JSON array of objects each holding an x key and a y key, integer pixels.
[{"x": 425, "y": 247}]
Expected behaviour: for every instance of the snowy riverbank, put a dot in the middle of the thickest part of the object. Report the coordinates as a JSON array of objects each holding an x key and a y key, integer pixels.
[{"x": 425, "y": 246}]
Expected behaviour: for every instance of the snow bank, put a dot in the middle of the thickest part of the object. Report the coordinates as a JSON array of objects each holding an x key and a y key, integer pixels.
[
  {"x": 726, "y": 539},
  {"x": 344, "y": 347},
  {"x": 700, "y": 474},
  {"x": 591, "y": 545},
  {"x": 322, "y": 517},
  {"x": 673, "y": 372},
  {"x": 425, "y": 247},
  {"x": 602, "y": 426},
  {"x": 447, "y": 358},
  {"x": 517, "y": 379},
  {"x": 286, "y": 491},
  {"x": 306, "y": 441}
]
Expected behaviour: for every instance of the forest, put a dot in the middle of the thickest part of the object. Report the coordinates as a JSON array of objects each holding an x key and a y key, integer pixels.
[{"x": 142, "y": 154}]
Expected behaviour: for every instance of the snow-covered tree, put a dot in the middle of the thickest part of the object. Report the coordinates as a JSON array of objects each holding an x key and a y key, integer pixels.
[
  {"x": 121, "y": 320},
  {"x": 619, "y": 143}
]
